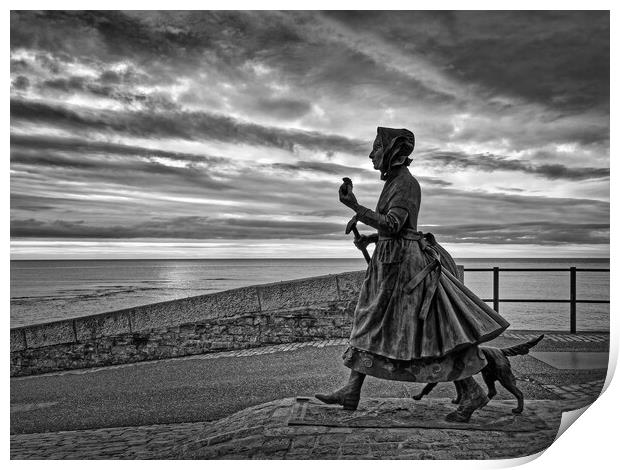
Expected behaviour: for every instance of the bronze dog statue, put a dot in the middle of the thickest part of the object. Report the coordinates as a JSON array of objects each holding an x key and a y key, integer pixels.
[{"x": 497, "y": 369}]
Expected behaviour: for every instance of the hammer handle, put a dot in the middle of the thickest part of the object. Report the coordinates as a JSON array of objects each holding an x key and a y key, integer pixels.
[{"x": 357, "y": 236}]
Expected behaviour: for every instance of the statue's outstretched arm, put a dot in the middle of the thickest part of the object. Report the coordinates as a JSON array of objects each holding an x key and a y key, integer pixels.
[{"x": 388, "y": 224}]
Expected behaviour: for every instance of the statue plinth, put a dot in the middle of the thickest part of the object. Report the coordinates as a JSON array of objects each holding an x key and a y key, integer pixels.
[{"x": 428, "y": 414}]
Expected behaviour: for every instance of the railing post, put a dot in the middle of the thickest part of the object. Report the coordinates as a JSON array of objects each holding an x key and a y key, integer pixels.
[
  {"x": 573, "y": 299},
  {"x": 496, "y": 289}
]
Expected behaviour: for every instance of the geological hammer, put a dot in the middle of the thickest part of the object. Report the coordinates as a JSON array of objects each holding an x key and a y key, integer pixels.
[{"x": 352, "y": 225}]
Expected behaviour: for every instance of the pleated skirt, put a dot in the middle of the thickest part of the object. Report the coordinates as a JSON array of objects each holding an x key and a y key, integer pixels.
[{"x": 415, "y": 320}]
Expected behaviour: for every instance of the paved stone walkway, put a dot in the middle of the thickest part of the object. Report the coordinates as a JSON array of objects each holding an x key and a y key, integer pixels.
[
  {"x": 261, "y": 431},
  {"x": 244, "y": 435},
  {"x": 561, "y": 337},
  {"x": 277, "y": 348}
]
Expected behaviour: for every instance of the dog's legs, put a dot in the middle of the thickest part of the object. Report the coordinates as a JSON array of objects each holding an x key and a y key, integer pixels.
[
  {"x": 489, "y": 379},
  {"x": 425, "y": 391},
  {"x": 510, "y": 383},
  {"x": 473, "y": 399}
]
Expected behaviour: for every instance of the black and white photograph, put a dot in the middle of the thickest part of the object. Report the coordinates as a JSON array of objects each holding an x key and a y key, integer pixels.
[{"x": 306, "y": 234}]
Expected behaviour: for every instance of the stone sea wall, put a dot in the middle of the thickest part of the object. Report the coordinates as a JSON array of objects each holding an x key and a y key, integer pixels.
[{"x": 300, "y": 310}]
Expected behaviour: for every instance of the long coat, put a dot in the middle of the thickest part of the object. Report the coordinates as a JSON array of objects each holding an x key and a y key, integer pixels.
[{"x": 413, "y": 312}]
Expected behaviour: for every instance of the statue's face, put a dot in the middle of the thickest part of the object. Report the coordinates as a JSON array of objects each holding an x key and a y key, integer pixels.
[{"x": 376, "y": 153}]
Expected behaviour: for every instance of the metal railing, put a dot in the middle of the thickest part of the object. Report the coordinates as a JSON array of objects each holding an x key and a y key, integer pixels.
[{"x": 573, "y": 301}]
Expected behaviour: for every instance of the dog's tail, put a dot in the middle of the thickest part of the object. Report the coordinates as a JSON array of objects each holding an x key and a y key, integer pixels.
[{"x": 523, "y": 348}]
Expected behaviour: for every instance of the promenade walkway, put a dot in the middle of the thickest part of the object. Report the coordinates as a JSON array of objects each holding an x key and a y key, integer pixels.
[{"x": 238, "y": 404}]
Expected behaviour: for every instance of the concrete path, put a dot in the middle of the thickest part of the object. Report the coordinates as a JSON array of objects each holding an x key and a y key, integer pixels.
[{"x": 132, "y": 411}]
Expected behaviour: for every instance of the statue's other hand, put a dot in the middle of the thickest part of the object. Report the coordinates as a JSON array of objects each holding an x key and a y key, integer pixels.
[{"x": 346, "y": 196}]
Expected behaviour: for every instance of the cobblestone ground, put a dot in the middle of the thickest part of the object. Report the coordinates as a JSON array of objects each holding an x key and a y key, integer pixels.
[
  {"x": 261, "y": 432},
  {"x": 143, "y": 442}
]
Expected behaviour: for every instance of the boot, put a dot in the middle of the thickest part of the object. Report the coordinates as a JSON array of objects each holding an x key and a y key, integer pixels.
[
  {"x": 472, "y": 398},
  {"x": 349, "y": 395}
]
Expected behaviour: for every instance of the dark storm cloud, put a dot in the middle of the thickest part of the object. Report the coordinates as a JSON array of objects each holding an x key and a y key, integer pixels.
[
  {"x": 21, "y": 83},
  {"x": 86, "y": 147},
  {"x": 101, "y": 158},
  {"x": 285, "y": 41},
  {"x": 114, "y": 164},
  {"x": 531, "y": 233},
  {"x": 335, "y": 169},
  {"x": 461, "y": 207},
  {"x": 176, "y": 37},
  {"x": 138, "y": 174},
  {"x": 178, "y": 227},
  {"x": 198, "y": 228},
  {"x": 557, "y": 171},
  {"x": 554, "y": 58},
  {"x": 24, "y": 202},
  {"x": 119, "y": 33},
  {"x": 527, "y": 132},
  {"x": 557, "y": 58},
  {"x": 490, "y": 163},
  {"x": 44, "y": 204},
  {"x": 102, "y": 165},
  {"x": 184, "y": 125}
]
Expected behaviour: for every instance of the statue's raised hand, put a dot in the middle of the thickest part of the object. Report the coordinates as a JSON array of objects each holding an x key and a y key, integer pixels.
[{"x": 346, "y": 196}]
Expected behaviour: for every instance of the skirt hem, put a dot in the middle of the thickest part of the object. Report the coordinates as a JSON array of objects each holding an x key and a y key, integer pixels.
[{"x": 454, "y": 366}]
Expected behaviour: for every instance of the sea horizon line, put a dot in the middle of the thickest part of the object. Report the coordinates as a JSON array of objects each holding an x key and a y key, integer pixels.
[{"x": 592, "y": 259}]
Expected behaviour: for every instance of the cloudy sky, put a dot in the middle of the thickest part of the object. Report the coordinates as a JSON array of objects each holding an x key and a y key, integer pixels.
[{"x": 226, "y": 134}]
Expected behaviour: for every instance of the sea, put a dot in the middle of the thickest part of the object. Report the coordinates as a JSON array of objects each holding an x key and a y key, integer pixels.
[{"x": 44, "y": 291}]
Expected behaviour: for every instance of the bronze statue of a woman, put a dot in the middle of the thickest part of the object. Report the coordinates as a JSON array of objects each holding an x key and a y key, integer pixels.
[{"x": 414, "y": 320}]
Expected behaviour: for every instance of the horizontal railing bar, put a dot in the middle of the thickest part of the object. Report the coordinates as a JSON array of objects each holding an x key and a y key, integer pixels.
[
  {"x": 599, "y": 270},
  {"x": 517, "y": 269},
  {"x": 562, "y": 301},
  {"x": 593, "y": 270},
  {"x": 573, "y": 270}
]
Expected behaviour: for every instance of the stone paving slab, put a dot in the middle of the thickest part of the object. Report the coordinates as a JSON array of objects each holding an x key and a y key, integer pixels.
[
  {"x": 590, "y": 389},
  {"x": 573, "y": 360}
]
